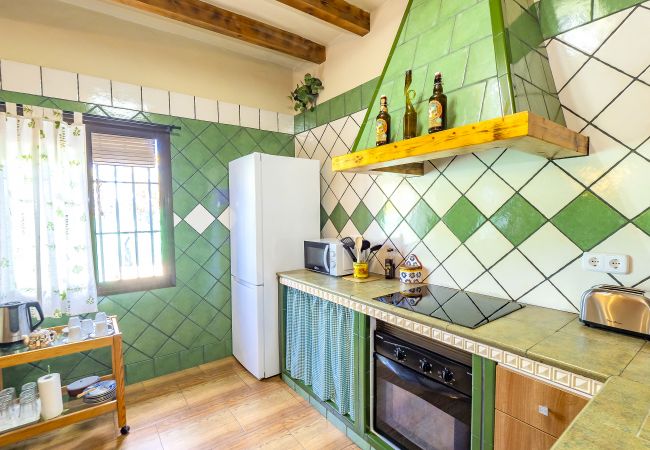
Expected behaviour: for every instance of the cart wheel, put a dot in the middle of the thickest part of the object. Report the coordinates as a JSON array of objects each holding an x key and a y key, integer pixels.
[{"x": 125, "y": 429}]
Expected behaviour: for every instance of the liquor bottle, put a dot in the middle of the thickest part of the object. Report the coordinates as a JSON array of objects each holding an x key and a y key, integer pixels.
[
  {"x": 437, "y": 106},
  {"x": 410, "y": 116},
  {"x": 389, "y": 265},
  {"x": 383, "y": 123}
]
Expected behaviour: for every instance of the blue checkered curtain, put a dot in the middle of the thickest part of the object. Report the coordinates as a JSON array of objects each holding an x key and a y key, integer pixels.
[{"x": 319, "y": 349}]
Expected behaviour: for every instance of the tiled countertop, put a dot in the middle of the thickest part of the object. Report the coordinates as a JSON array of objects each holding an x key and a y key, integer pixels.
[{"x": 617, "y": 417}]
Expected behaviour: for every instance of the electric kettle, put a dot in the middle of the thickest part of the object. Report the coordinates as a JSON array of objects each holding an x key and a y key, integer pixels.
[{"x": 16, "y": 320}]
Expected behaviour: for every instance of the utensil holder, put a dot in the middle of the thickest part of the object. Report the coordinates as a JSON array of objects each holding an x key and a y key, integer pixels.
[{"x": 360, "y": 269}]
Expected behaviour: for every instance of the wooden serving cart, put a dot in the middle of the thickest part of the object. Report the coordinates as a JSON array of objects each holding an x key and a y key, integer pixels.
[{"x": 74, "y": 410}]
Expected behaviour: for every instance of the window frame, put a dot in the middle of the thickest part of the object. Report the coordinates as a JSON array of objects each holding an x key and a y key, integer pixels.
[{"x": 163, "y": 145}]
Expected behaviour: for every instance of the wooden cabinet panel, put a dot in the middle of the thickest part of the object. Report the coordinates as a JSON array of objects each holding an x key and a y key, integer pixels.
[
  {"x": 522, "y": 397},
  {"x": 513, "y": 434}
]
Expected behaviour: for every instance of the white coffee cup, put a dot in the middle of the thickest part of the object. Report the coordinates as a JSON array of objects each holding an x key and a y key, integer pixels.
[
  {"x": 74, "y": 334},
  {"x": 100, "y": 329},
  {"x": 74, "y": 321},
  {"x": 100, "y": 317},
  {"x": 87, "y": 326}
]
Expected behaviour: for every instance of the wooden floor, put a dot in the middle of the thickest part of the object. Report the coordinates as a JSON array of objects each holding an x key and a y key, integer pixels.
[{"x": 215, "y": 406}]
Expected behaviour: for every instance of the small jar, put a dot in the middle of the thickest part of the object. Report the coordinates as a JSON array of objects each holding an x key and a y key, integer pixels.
[{"x": 360, "y": 269}]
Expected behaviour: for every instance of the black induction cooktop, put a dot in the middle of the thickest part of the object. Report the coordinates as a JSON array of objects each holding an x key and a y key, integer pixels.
[{"x": 451, "y": 305}]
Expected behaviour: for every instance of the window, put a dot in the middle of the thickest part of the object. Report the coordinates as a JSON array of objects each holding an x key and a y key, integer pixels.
[{"x": 129, "y": 170}]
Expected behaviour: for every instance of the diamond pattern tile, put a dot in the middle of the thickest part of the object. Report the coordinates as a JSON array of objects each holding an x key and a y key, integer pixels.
[
  {"x": 550, "y": 190},
  {"x": 463, "y": 171},
  {"x": 361, "y": 218},
  {"x": 488, "y": 244},
  {"x": 516, "y": 274},
  {"x": 517, "y": 219},
  {"x": 339, "y": 217},
  {"x": 464, "y": 266},
  {"x": 422, "y": 218},
  {"x": 489, "y": 193},
  {"x": 549, "y": 250},
  {"x": 199, "y": 218},
  {"x": 463, "y": 219},
  {"x": 626, "y": 186}
]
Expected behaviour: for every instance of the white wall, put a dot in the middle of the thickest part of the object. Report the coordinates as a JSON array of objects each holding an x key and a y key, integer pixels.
[{"x": 354, "y": 60}]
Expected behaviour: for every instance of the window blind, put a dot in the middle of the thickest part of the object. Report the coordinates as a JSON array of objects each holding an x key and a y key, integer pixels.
[{"x": 123, "y": 150}]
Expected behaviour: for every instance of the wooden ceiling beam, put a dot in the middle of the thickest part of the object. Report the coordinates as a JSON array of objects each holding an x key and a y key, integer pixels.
[
  {"x": 337, "y": 12},
  {"x": 228, "y": 23}
]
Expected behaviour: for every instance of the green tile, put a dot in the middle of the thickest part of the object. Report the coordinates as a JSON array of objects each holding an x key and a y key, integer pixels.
[
  {"x": 339, "y": 217},
  {"x": 452, "y": 67},
  {"x": 169, "y": 347},
  {"x": 422, "y": 218},
  {"x": 228, "y": 153},
  {"x": 218, "y": 296},
  {"x": 197, "y": 153},
  {"x": 213, "y": 138},
  {"x": 454, "y": 7},
  {"x": 402, "y": 59},
  {"x": 213, "y": 352},
  {"x": 203, "y": 314},
  {"x": 472, "y": 25},
  {"x": 184, "y": 235},
  {"x": 491, "y": 100},
  {"x": 388, "y": 218},
  {"x": 186, "y": 301},
  {"x": 361, "y": 217},
  {"x": 202, "y": 282},
  {"x": 168, "y": 320},
  {"x": 166, "y": 364},
  {"x": 322, "y": 113},
  {"x": 139, "y": 371},
  {"x": 421, "y": 18},
  {"x": 184, "y": 203},
  {"x": 367, "y": 92},
  {"x": 131, "y": 326},
  {"x": 436, "y": 42},
  {"x": 187, "y": 332},
  {"x": 220, "y": 325},
  {"x": 216, "y": 233},
  {"x": 310, "y": 119},
  {"x": 150, "y": 341},
  {"x": 198, "y": 186},
  {"x": 464, "y": 105},
  {"x": 217, "y": 265},
  {"x": 271, "y": 144},
  {"x": 186, "y": 267},
  {"x": 557, "y": 16},
  {"x": 148, "y": 307},
  {"x": 337, "y": 107},
  {"x": 182, "y": 169},
  {"x": 643, "y": 221},
  {"x": 201, "y": 250},
  {"x": 215, "y": 202},
  {"x": 517, "y": 219},
  {"x": 353, "y": 101},
  {"x": 604, "y": 8},
  {"x": 323, "y": 217},
  {"x": 481, "y": 63},
  {"x": 191, "y": 358},
  {"x": 213, "y": 170},
  {"x": 587, "y": 221},
  {"x": 463, "y": 219}
]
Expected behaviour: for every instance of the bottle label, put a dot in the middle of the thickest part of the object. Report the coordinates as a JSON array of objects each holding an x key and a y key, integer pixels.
[
  {"x": 435, "y": 114},
  {"x": 382, "y": 130}
]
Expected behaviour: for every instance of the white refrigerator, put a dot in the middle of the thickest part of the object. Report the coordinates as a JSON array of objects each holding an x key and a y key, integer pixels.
[{"x": 274, "y": 207}]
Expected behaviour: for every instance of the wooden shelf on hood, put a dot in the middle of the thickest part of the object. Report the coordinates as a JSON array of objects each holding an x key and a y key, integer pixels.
[{"x": 524, "y": 131}]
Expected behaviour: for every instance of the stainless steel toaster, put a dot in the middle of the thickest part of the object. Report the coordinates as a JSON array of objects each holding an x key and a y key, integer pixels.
[{"x": 617, "y": 308}]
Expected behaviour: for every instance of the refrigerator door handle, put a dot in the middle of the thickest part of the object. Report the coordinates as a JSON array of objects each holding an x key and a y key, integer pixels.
[{"x": 244, "y": 283}]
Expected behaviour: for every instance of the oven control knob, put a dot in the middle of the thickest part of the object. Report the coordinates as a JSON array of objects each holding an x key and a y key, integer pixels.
[
  {"x": 400, "y": 353},
  {"x": 447, "y": 375},
  {"x": 425, "y": 366}
]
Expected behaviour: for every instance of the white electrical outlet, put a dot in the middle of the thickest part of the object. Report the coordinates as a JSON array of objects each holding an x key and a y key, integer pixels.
[{"x": 606, "y": 262}]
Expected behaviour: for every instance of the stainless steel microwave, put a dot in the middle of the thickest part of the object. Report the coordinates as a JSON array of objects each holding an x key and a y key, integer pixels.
[{"x": 328, "y": 256}]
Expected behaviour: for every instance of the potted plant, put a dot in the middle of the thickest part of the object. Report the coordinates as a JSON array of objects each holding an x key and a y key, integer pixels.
[{"x": 306, "y": 93}]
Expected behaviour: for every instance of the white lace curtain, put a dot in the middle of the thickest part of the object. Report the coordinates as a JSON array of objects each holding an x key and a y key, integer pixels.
[{"x": 45, "y": 241}]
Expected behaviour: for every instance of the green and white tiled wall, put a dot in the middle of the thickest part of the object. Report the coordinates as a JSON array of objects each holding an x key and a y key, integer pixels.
[
  {"x": 511, "y": 224},
  {"x": 165, "y": 330}
]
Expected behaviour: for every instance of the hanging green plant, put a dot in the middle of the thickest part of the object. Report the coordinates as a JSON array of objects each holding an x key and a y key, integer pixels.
[{"x": 306, "y": 93}]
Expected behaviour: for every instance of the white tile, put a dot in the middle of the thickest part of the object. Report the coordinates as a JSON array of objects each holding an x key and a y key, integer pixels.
[
  {"x": 392, "y": 218},
  {"x": 349, "y": 229},
  {"x": 326, "y": 170},
  {"x": 126, "y": 95},
  {"x": 361, "y": 183},
  {"x": 589, "y": 37},
  {"x": 627, "y": 186},
  {"x": 328, "y": 138},
  {"x": 489, "y": 156},
  {"x": 249, "y": 117},
  {"x": 628, "y": 49},
  {"x": 199, "y": 218},
  {"x": 318, "y": 131},
  {"x": 285, "y": 123},
  {"x": 546, "y": 296},
  {"x": 376, "y": 235},
  {"x": 564, "y": 61},
  {"x": 631, "y": 241},
  {"x": 463, "y": 267},
  {"x": 573, "y": 122},
  {"x": 423, "y": 183},
  {"x": 20, "y": 77},
  {"x": 268, "y": 120},
  {"x": 549, "y": 249},
  {"x": 60, "y": 84},
  {"x": 155, "y": 100},
  {"x": 516, "y": 168},
  {"x": 630, "y": 129},
  {"x": 573, "y": 280},
  {"x": 595, "y": 77},
  {"x": 441, "y": 196},
  {"x": 359, "y": 116},
  {"x": 644, "y": 149},
  {"x": 229, "y": 114},
  {"x": 604, "y": 152},
  {"x": 516, "y": 274},
  {"x": 329, "y": 201},
  {"x": 374, "y": 199},
  {"x": 224, "y": 218},
  {"x": 350, "y": 201},
  {"x": 404, "y": 239},
  {"x": 441, "y": 241},
  {"x": 206, "y": 109},
  {"x": 95, "y": 90},
  {"x": 338, "y": 124},
  {"x": 487, "y": 285},
  {"x": 329, "y": 231},
  {"x": 177, "y": 219},
  {"x": 181, "y": 105},
  {"x": 309, "y": 143},
  {"x": 320, "y": 154},
  {"x": 388, "y": 183},
  {"x": 551, "y": 190},
  {"x": 488, "y": 244},
  {"x": 489, "y": 193},
  {"x": 441, "y": 277},
  {"x": 646, "y": 76},
  {"x": 349, "y": 132},
  {"x": 429, "y": 262},
  {"x": 404, "y": 198},
  {"x": 464, "y": 170},
  {"x": 338, "y": 185}
]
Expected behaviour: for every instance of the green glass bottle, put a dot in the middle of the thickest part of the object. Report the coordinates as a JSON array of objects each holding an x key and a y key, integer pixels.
[
  {"x": 437, "y": 106},
  {"x": 410, "y": 116}
]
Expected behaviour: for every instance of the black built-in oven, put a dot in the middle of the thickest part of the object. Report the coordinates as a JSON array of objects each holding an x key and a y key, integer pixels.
[{"x": 422, "y": 396}]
